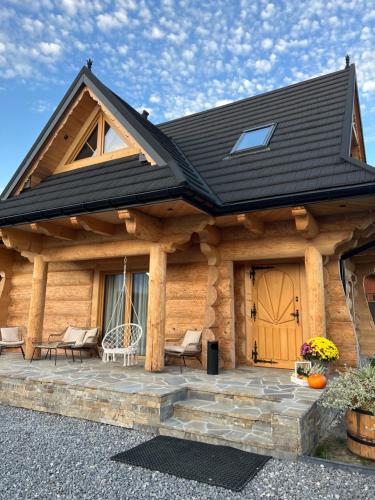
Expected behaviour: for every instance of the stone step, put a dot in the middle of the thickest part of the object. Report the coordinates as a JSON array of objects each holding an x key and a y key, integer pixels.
[
  {"x": 257, "y": 440},
  {"x": 255, "y": 396},
  {"x": 229, "y": 412}
]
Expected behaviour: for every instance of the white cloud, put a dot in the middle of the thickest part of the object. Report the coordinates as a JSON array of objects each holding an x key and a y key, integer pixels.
[
  {"x": 113, "y": 20},
  {"x": 188, "y": 54},
  {"x": 267, "y": 43},
  {"x": 41, "y": 106},
  {"x": 369, "y": 86},
  {"x": 123, "y": 49},
  {"x": 263, "y": 66},
  {"x": 222, "y": 102},
  {"x": 155, "y": 99},
  {"x": 50, "y": 48},
  {"x": 268, "y": 11},
  {"x": 156, "y": 33}
]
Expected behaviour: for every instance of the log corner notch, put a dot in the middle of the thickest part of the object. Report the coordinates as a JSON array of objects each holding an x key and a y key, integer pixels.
[
  {"x": 305, "y": 222},
  {"x": 209, "y": 238},
  {"x": 252, "y": 223}
]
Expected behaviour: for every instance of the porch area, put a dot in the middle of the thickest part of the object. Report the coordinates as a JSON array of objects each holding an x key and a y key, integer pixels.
[{"x": 254, "y": 409}]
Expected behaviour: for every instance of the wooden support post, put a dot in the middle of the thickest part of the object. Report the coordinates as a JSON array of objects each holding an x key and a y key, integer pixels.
[
  {"x": 315, "y": 292},
  {"x": 37, "y": 302},
  {"x": 156, "y": 310}
]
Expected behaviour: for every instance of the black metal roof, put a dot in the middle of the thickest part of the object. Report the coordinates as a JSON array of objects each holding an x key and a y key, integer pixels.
[
  {"x": 307, "y": 158},
  {"x": 307, "y": 153}
]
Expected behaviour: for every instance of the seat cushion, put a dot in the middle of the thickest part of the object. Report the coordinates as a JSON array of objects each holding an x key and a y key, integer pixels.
[
  {"x": 191, "y": 337},
  {"x": 10, "y": 334},
  {"x": 11, "y": 344},
  {"x": 74, "y": 335},
  {"x": 178, "y": 349},
  {"x": 91, "y": 336}
]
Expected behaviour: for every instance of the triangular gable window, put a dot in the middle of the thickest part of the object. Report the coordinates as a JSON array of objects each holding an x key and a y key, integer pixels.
[
  {"x": 101, "y": 139},
  {"x": 90, "y": 147},
  {"x": 112, "y": 141}
]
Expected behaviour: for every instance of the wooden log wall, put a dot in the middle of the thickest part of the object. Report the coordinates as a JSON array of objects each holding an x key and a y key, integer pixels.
[
  {"x": 6, "y": 269},
  {"x": 340, "y": 326},
  {"x": 68, "y": 300},
  {"x": 186, "y": 299}
]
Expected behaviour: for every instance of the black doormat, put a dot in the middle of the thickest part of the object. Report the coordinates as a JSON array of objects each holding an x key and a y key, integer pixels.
[{"x": 216, "y": 465}]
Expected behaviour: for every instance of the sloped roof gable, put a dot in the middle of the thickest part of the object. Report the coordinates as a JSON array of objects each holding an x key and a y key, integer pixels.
[{"x": 307, "y": 159}]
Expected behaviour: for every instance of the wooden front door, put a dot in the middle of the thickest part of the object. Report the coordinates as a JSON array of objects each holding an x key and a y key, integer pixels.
[{"x": 275, "y": 317}]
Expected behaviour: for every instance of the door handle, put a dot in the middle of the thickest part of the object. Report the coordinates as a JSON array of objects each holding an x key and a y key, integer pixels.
[{"x": 295, "y": 315}]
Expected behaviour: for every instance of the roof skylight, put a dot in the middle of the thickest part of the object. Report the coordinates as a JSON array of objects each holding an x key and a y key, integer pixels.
[{"x": 254, "y": 138}]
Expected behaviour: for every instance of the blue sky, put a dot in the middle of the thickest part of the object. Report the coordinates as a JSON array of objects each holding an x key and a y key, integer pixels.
[{"x": 173, "y": 57}]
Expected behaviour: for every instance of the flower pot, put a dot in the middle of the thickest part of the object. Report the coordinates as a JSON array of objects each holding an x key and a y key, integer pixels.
[
  {"x": 360, "y": 430},
  {"x": 317, "y": 381}
]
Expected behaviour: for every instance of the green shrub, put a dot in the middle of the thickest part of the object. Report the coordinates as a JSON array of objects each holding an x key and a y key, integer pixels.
[{"x": 351, "y": 390}]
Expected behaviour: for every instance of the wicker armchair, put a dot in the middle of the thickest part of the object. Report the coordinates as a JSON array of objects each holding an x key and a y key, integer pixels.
[
  {"x": 80, "y": 339},
  {"x": 11, "y": 338},
  {"x": 190, "y": 347}
]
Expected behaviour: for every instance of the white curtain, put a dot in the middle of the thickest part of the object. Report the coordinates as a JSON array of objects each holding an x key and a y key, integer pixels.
[
  {"x": 113, "y": 302},
  {"x": 140, "y": 300}
]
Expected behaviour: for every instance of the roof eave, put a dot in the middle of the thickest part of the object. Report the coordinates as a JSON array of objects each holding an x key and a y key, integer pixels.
[
  {"x": 298, "y": 199},
  {"x": 85, "y": 77},
  {"x": 43, "y": 136}
]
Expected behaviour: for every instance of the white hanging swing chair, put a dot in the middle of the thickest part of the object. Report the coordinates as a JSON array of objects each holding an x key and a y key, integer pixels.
[{"x": 122, "y": 340}]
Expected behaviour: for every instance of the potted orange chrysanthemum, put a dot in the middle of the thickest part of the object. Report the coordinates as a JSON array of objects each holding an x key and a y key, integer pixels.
[{"x": 320, "y": 351}]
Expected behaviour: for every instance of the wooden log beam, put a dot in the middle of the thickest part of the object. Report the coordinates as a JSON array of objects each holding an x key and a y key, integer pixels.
[
  {"x": 98, "y": 251},
  {"x": 37, "y": 303},
  {"x": 305, "y": 223},
  {"x": 27, "y": 244},
  {"x": 93, "y": 225},
  {"x": 156, "y": 310},
  {"x": 281, "y": 247},
  {"x": 315, "y": 292},
  {"x": 6, "y": 271},
  {"x": 140, "y": 225},
  {"x": 252, "y": 223},
  {"x": 54, "y": 230}
]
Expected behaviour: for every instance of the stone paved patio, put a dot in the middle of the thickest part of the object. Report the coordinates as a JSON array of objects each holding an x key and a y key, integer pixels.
[{"x": 258, "y": 409}]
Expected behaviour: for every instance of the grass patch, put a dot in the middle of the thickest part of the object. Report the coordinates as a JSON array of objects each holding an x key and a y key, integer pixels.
[{"x": 334, "y": 448}]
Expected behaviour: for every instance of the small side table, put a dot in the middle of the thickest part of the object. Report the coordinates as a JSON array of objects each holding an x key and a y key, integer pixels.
[{"x": 52, "y": 346}]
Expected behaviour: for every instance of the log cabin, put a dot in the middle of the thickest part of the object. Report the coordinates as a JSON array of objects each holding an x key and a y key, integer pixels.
[{"x": 252, "y": 221}]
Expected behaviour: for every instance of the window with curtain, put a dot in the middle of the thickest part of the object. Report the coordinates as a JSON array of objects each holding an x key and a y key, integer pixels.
[
  {"x": 114, "y": 306},
  {"x": 140, "y": 299}
]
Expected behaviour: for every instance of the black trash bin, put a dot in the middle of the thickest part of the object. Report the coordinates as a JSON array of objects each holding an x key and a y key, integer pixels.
[{"x": 212, "y": 357}]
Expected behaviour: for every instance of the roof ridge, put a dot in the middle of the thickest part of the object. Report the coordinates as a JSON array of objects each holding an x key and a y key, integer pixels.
[{"x": 256, "y": 96}]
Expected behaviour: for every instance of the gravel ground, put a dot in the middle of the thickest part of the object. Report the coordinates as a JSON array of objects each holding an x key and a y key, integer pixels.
[{"x": 48, "y": 456}]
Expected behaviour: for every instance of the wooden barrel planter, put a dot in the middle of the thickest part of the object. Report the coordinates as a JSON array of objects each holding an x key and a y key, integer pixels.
[{"x": 360, "y": 428}]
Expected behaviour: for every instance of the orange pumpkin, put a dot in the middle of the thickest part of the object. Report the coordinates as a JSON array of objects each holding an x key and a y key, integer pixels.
[{"x": 317, "y": 381}]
